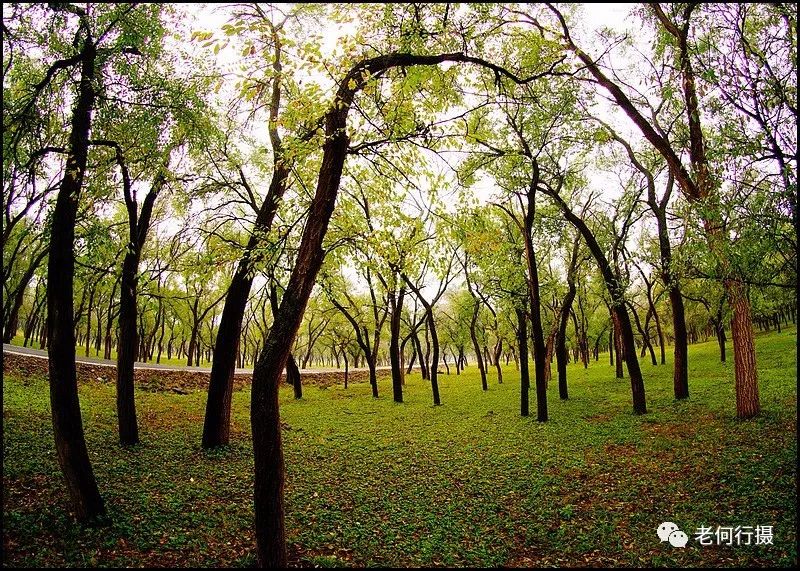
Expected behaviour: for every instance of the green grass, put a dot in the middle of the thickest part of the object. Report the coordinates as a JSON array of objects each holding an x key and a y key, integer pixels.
[{"x": 470, "y": 483}]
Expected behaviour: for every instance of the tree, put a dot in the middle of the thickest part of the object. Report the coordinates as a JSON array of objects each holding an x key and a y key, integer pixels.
[
  {"x": 97, "y": 43},
  {"x": 563, "y": 317},
  {"x": 270, "y": 534},
  {"x": 216, "y": 427}
]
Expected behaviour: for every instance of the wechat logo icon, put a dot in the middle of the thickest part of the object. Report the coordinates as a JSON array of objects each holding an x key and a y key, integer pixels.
[{"x": 668, "y": 531}]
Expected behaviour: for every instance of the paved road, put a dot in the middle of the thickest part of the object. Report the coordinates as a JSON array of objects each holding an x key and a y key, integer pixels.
[{"x": 108, "y": 363}]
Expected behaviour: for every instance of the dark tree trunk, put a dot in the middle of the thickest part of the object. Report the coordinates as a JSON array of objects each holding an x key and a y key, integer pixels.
[
  {"x": 216, "y": 426},
  {"x": 498, "y": 351},
  {"x": 434, "y": 340},
  {"x": 619, "y": 347},
  {"x": 73, "y": 456},
  {"x": 373, "y": 375},
  {"x": 435, "y": 363},
  {"x": 525, "y": 381},
  {"x": 719, "y": 330},
  {"x": 561, "y": 347},
  {"x": 681, "y": 371},
  {"x": 631, "y": 360},
  {"x": 126, "y": 353},
  {"x": 423, "y": 365},
  {"x": 394, "y": 344},
  {"x": 192, "y": 349},
  {"x": 293, "y": 376},
  {"x": 411, "y": 361},
  {"x": 660, "y": 334},
  {"x": 611, "y": 343},
  {"x": 161, "y": 338}
]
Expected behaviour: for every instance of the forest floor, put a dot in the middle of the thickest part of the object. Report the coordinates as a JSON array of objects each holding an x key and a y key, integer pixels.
[{"x": 469, "y": 483}]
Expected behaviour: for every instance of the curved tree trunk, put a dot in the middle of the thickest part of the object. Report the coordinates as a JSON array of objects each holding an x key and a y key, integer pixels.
[
  {"x": 498, "y": 352},
  {"x": 216, "y": 427},
  {"x": 373, "y": 376},
  {"x": 423, "y": 364},
  {"x": 73, "y": 456},
  {"x": 264, "y": 414}
]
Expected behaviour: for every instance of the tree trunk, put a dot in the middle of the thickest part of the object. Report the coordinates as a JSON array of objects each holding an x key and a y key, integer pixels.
[
  {"x": 619, "y": 347},
  {"x": 373, "y": 376},
  {"x": 394, "y": 344},
  {"x": 126, "y": 353},
  {"x": 747, "y": 400},
  {"x": 561, "y": 336},
  {"x": 293, "y": 376},
  {"x": 423, "y": 365},
  {"x": 522, "y": 340},
  {"x": 192, "y": 349},
  {"x": 264, "y": 414},
  {"x": 719, "y": 329},
  {"x": 619, "y": 314},
  {"x": 629, "y": 354},
  {"x": 216, "y": 426},
  {"x": 73, "y": 456},
  {"x": 411, "y": 361},
  {"x": 498, "y": 351}
]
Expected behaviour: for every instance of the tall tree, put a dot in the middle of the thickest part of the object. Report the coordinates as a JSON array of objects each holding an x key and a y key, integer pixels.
[
  {"x": 267, "y": 445},
  {"x": 96, "y": 44},
  {"x": 216, "y": 427}
]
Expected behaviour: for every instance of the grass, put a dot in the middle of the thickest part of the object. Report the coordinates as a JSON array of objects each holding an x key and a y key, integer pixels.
[{"x": 470, "y": 483}]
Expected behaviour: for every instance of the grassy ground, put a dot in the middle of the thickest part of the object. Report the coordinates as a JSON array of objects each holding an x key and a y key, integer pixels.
[{"x": 374, "y": 483}]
